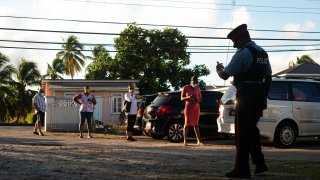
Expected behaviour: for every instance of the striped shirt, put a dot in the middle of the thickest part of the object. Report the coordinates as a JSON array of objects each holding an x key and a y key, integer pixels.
[{"x": 40, "y": 102}]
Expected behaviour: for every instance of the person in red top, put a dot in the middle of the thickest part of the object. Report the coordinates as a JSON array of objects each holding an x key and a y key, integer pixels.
[{"x": 191, "y": 94}]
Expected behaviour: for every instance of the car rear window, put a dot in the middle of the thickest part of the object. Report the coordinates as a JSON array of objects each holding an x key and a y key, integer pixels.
[{"x": 161, "y": 99}]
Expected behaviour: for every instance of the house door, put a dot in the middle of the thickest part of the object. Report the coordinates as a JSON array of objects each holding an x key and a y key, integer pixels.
[{"x": 97, "y": 113}]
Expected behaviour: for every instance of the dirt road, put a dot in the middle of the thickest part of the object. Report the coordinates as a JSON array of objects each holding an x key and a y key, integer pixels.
[{"x": 65, "y": 156}]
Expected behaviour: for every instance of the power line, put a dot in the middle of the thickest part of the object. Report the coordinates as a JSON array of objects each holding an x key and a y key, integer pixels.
[
  {"x": 192, "y": 52},
  {"x": 210, "y": 3},
  {"x": 204, "y": 8},
  {"x": 204, "y": 47},
  {"x": 240, "y": 5},
  {"x": 117, "y": 34},
  {"x": 148, "y": 24}
]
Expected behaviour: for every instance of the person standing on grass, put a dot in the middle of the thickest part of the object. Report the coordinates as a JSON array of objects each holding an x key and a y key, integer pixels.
[
  {"x": 191, "y": 94},
  {"x": 86, "y": 100},
  {"x": 40, "y": 106}
]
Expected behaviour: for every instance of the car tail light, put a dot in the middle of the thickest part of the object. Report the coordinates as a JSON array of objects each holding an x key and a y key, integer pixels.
[
  {"x": 140, "y": 112},
  {"x": 163, "y": 110}
]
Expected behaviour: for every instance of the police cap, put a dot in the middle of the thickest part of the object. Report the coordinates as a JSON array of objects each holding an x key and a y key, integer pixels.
[{"x": 238, "y": 31}]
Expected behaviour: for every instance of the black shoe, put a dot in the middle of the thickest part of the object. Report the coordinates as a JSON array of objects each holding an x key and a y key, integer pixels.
[
  {"x": 36, "y": 133},
  {"x": 238, "y": 174},
  {"x": 260, "y": 169},
  {"x": 131, "y": 139}
]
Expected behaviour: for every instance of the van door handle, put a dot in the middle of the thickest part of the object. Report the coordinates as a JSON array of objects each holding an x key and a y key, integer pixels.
[{"x": 297, "y": 107}]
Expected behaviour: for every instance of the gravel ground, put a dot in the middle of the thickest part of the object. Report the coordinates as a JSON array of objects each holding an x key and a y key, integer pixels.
[{"x": 106, "y": 156}]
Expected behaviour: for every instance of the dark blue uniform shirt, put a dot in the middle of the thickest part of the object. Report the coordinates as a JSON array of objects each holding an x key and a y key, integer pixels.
[{"x": 242, "y": 60}]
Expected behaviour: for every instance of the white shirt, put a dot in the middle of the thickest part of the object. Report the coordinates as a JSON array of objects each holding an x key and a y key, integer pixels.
[
  {"x": 134, "y": 103},
  {"x": 86, "y": 106}
]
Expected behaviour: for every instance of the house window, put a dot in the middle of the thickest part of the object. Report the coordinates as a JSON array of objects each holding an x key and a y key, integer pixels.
[{"x": 116, "y": 103}]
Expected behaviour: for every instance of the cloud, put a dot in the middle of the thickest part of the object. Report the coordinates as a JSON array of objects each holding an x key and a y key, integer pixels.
[{"x": 306, "y": 26}]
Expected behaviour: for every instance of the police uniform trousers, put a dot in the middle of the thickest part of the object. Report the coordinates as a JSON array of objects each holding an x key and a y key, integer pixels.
[{"x": 248, "y": 112}]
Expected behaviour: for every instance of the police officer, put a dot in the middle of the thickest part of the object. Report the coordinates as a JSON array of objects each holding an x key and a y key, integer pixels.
[{"x": 251, "y": 71}]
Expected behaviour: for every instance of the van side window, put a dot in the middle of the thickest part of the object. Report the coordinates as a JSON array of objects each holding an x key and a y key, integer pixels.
[
  {"x": 278, "y": 91},
  {"x": 305, "y": 91}
]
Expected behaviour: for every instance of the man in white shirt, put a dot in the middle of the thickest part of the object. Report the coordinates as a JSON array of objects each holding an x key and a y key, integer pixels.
[
  {"x": 130, "y": 96},
  {"x": 40, "y": 106}
]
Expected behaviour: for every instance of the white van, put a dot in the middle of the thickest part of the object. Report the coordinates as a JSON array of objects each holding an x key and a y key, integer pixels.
[{"x": 293, "y": 110}]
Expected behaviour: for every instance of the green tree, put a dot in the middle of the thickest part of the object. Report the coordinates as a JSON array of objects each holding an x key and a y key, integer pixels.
[
  {"x": 26, "y": 74},
  {"x": 305, "y": 58},
  {"x": 102, "y": 65},
  {"x": 55, "y": 70},
  {"x": 72, "y": 56},
  {"x": 155, "y": 57},
  {"x": 197, "y": 70},
  {"x": 6, "y": 71}
]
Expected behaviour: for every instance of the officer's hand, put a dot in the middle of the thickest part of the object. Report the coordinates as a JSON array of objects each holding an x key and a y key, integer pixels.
[{"x": 219, "y": 67}]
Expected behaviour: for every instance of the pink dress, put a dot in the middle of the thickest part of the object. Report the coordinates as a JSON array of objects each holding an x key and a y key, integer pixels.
[{"x": 192, "y": 108}]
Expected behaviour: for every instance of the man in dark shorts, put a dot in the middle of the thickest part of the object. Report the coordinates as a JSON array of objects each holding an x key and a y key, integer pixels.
[{"x": 40, "y": 106}]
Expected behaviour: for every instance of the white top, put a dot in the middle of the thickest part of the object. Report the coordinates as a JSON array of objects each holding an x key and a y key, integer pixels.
[
  {"x": 134, "y": 103},
  {"x": 86, "y": 104}
]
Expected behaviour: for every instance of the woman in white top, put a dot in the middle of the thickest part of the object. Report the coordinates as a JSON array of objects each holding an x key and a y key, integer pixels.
[
  {"x": 86, "y": 101},
  {"x": 130, "y": 96}
]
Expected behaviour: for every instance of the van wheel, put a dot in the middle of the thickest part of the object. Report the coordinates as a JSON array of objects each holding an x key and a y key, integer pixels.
[
  {"x": 285, "y": 135},
  {"x": 175, "y": 131}
]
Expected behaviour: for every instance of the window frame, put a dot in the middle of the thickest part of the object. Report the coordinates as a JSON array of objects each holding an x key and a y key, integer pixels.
[
  {"x": 307, "y": 95},
  {"x": 289, "y": 93},
  {"x": 116, "y": 97}
]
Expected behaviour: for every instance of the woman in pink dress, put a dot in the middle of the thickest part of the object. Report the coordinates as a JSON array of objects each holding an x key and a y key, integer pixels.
[{"x": 191, "y": 94}]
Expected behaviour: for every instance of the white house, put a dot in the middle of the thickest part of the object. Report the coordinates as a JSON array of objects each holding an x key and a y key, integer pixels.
[{"x": 63, "y": 113}]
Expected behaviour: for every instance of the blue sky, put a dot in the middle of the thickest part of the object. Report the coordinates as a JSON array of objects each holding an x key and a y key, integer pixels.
[{"x": 284, "y": 15}]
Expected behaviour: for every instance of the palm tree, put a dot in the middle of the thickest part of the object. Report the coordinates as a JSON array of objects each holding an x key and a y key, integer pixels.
[
  {"x": 26, "y": 74},
  {"x": 54, "y": 70},
  {"x": 305, "y": 58},
  {"x": 98, "y": 51},
  {"x": 72, "y": 56},
  {"x": 5, "y": 81}
]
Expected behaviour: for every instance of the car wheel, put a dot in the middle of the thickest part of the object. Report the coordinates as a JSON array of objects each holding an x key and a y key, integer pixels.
[
  {"x": 285, "y": 135},
  {"x": 175, "y": 131},
  {"x": 157, "y": 136}
]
